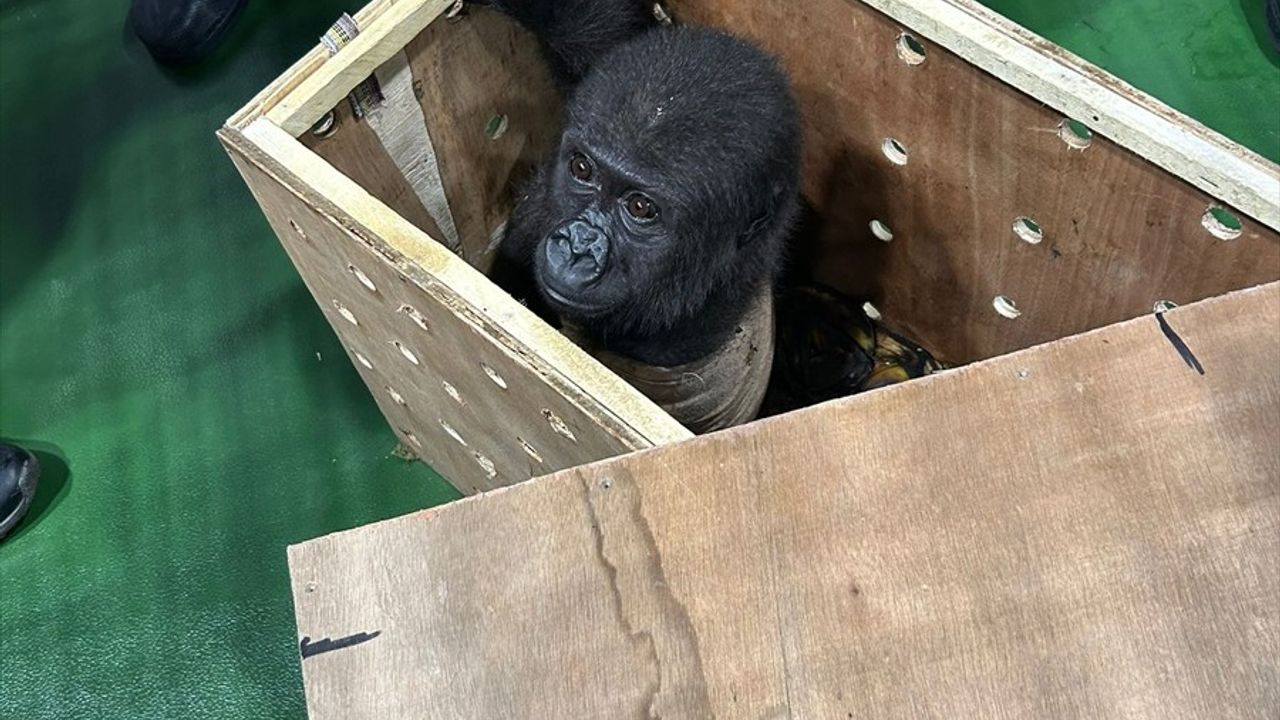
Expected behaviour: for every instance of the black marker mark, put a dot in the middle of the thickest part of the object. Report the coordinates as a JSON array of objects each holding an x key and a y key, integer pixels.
[
  {"x": 306, "y": 648},
  {"x": 1187, "y": 356}
]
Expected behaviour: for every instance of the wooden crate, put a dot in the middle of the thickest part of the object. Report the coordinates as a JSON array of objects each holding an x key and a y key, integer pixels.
[
  {"x": 935, "y": 118},
  {"x": 1082, "y": 521}
]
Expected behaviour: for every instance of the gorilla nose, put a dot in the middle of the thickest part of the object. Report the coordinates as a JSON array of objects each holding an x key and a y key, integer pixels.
[
  {"x": 587, "y": 239},
  {"x": 578, "y": 252}
]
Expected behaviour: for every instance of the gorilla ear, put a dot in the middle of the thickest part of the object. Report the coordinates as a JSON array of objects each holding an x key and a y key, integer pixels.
[{"x": 761, "y": 224}]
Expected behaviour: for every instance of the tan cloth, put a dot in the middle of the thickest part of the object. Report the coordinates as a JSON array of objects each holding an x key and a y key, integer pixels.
[{"x": 721, "y": 390}]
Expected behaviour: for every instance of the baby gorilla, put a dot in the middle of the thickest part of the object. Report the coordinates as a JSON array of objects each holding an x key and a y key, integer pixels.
[{"x": 656, "y": 230}]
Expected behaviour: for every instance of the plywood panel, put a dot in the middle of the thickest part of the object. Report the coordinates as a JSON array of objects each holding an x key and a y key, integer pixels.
[
  {"x": 1088, "y": 529},
  {"x": 1119, "y": 233},
  {"x": 459, "y": 390}
]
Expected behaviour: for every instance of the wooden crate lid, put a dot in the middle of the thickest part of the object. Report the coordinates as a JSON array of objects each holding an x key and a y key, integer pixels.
[{"x": 1088, "y": 528}]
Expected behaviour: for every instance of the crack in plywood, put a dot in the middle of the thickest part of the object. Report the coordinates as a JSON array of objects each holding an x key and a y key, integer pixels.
[{"x": 647, "y": 610}]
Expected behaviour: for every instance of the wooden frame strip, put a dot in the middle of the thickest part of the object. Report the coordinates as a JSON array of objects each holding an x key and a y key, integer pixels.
[
  {"x": 1108, "y": 105},
  {"x": 381, "y": 36}
]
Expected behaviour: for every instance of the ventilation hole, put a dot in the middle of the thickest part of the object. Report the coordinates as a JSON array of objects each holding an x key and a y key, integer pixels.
[
  {"x": 345, "y": 313},
  {"x": 490, "y": 470},
  {"x": 496, "y": 127},
  {"x": 452, "y": 433},
  {"x": 494, "y": 376},
  {"x": 558, "y": 425},
  {"x": 413, "y": 439},
  {"x": 452, "y": 392},
  {"x": 661, "y": 15},
  {"x": 1222, "y": 223},
  {"x": 881, "y": 231},
  {"x": 1028, "y": 229},
  {"x": 397, "y": 397},
  {"x": 298, "y": 229},
  {"x": 1075, "y": 134},
  {"x": 871, "y": 310},
  {"x": 406, "y": 352},
  {"x": 364, "y": 361},
  {"x": 415, "y": 316},
  {"x": 910, "y": 50},
  {"x": 529, "y": 449},
  {"x": 1006, "y": 307},
  {"x": 1164, "y": 306},
  {"x": 895, "y": 151},
  {"x": 325, "y": 126},
  {"x": 364, "y": 279}
]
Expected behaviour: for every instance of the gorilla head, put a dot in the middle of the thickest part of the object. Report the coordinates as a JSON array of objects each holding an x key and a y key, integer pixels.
[{"x": 667, "y": 203}]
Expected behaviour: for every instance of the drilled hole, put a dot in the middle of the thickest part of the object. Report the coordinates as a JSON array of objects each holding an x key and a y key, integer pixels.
[
  {"x": 397, "y": 397},
  {"x": 494, "y": 376},
  {"x": 451, "y": 432},
  {"x": 364, "y": 361},
  {"x": 1028, "y": 229},
  {"x": 910, "y": 50},
  {"x": 1075, "y": 134},
  {"x": 364, "y": 279},
  {"x": 871, "y": 310},
  {"x": 413, "y": 439},
  {"x": 881, "y": 231},
  {"x": 1006, "y": 307},
  {"x": 1164, "y": 306},
  {"x": 406, "y": 352},
  {"x": 895, "y": 151},
  {"x": 529, "y": 449},
  {"x": 558, "y": 425},
  {"x": 345, "y": 313},
  {"x": 452, "y": 392},
  {"x": 415, "y": 316},
  {"x": 496, "y": 127},
  {"x": 1222, "y": 223},
  {"x": 490, "y": 470},
  {"x": 325, "y": 126}
]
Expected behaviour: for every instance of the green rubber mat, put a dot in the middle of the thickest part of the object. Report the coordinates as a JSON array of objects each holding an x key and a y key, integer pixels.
[{"x": 195, "y": 413}]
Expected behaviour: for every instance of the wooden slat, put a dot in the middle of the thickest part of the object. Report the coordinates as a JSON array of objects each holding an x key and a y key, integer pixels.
[
  {"x": 383, "y": 36},
  {"x": 355, "y": 150},
  {"x": 1119, "y": 233},
  {"x": 1088, "y": 529},
  {"x": 471, "y": 71},
  {"x": 451, "y": 358}
]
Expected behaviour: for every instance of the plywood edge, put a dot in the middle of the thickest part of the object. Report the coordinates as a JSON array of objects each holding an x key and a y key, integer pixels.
[
  {"x": 317, "y": 81},
  {"x": 1082, "y": 91},
  {"x": 620, "y": 408},
  {"x": 862, "y": 404}
]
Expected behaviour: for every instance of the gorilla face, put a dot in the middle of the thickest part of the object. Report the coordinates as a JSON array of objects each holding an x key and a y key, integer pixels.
[
  {"x": 618, "y": 237},
  {"x": 674, "y": 184}
]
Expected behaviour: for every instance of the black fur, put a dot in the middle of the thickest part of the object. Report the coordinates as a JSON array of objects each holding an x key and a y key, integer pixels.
[
  {"x": 575, "y": 33},
  {"x": 704, "y": 124}
]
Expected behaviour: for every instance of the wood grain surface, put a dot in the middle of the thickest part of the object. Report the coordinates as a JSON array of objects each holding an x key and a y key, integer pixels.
[
  {"x": 1087, "y": 529},
  {"x": 1119, "y": 233}
]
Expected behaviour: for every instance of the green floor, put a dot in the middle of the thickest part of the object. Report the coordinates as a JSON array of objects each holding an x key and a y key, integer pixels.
[{"x": 194, "y": 411}]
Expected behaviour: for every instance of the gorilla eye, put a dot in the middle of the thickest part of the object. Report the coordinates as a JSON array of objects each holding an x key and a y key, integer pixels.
[
  {"x": 641, "y": 207},
  {"x": 580, "y": 167}
]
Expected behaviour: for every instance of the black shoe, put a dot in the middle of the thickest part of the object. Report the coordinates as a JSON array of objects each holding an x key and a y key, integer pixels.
[
  {"x": 182, "y": 32},
  {"x": 19, "y": 474}
]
